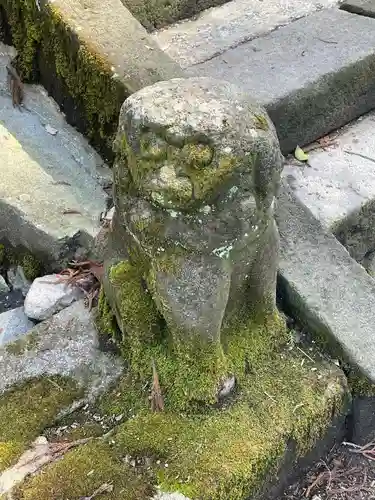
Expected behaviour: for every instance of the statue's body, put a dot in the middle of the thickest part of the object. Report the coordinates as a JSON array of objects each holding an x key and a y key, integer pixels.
[{"x": 196, "y": 175}]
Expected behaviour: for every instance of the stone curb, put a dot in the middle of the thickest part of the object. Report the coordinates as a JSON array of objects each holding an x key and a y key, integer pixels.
[
  {"x": 313, "y": 75},
  {"x": 105, "y": 42},
  {"x": 328, "y": 292}
]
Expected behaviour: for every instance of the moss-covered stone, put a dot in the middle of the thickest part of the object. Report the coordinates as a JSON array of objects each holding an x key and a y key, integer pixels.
[
  {"x": 217, "y": 453},
  {"x": 73, "y": 71},
  {"x": 227, "y": 453},
  {"x": 105, "y": 318},
  {"x": 82, "y": 472},
  {"x": 23, "y": 344},
  {"x": 26, "y": 410},
  {"x": 20, "y": 256},
  {"x": 31, "y": 266}
]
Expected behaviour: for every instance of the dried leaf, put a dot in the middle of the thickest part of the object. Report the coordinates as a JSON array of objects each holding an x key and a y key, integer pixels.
[
  {"x": 300, "y": 155},
  {"x": 157, "y": 402}
]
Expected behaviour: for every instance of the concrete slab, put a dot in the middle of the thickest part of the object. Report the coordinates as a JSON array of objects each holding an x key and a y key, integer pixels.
[
  {"x": 338, "y": 186},
  {"x": 50, "y": 193},
  {"x": 330, "y": 293},
  {"x": 220, "y": 28},
  {"x": 313, "y": 76},
  {"x": 361, "y": 7}
]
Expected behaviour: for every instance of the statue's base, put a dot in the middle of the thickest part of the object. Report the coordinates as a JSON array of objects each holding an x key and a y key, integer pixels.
[{"x": 287, "y": 411}]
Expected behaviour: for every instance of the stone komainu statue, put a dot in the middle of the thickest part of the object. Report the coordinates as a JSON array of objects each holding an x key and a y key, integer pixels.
[{"x": 197, "y": 170}]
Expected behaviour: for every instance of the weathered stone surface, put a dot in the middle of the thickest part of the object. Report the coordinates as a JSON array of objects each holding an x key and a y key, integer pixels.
[
  {"x": 50, "y": 197},
  {"x": 47, "y": 297},
  {"x": 362, "y": 7},
  {"x": 221, "y": 28},
  {"x": 17, "y": 279},
  {"x": 324, "y": 287},
  {"x": 196, "y": 200},
  {"x": 11, "y": 300},
  {"x": 3, "y": 285},
  {"x": 338, "y": 186},
  {"x": 313, "y": 76},
  {"x": 14, "y": 324},
  {"x": 65, "y": 345}
]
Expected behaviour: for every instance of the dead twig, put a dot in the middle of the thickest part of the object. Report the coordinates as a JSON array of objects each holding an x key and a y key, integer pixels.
[
  {"x": 157, "y": 402},
  {"x": 104, "y": 488}
]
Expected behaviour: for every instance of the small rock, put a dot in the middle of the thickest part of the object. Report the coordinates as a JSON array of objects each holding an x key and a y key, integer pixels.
[
  {"x": 47, "y": 297},
  {"x": 227, "y": 387},
  {"x": 169, "y": 496},
  {"x": 51, "y": 130},
  {"x": 66, "y": 345},
  {"x": 4, "y": 288},
  {"x": 18, "y": 280},
  {"x": 14, "y": 324}
]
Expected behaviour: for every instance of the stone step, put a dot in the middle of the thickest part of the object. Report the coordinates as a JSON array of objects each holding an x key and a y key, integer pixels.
[
  {"x": 313, "y": 75},
  {"x": 220, "y": 28},
  {"x": 327, "y": 290},
  {"x": 361, "y": 7},
  {"x": 51, "y": 195},
  {"x": 338, "y": 186}
]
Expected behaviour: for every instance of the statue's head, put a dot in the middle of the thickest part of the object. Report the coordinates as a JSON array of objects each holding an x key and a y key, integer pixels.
[{"x": 185, "y": 142}]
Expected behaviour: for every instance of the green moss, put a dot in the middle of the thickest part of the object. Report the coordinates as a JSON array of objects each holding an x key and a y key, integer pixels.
[
  {"x": 127, "y": 398},
  {"x": 137, "y": 312},
  {"x": 105, "y": 318},
  {"x": 261, "y": 122},
  {"x": 27, "y": 409},
  {"x": 50, "y": 51},
  {"x": 207, "y": 179},
  {"x": 359, "y": 384},
  {"x": 22, "y": 345},
  {"x": 84, "y": 470},
  {"x": 226, "y": 453},
  {"x": 31, "y": 266},
  {"x": 2, "y": 254}
]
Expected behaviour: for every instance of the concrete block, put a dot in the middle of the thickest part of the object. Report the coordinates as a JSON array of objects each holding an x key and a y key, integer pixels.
[
  {"x": 313, "y": 76},
  {"x": 338, "y": 186},
  {"x": 218, "y": 29},
  {"x": 361, "y": 7},
  {"x": 329, "y": 292}
]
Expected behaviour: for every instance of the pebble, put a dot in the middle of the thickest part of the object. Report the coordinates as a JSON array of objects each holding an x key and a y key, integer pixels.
[
  {"x": 47, "y": 297},
  {"x": 14, "y": 324}
]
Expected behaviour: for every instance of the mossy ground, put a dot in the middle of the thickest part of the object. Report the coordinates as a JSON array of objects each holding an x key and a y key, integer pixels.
[
  {"x": 26, "y": 410},
  {"x": 216, "y": 453},
  {"x": 83, "y": 471}
]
